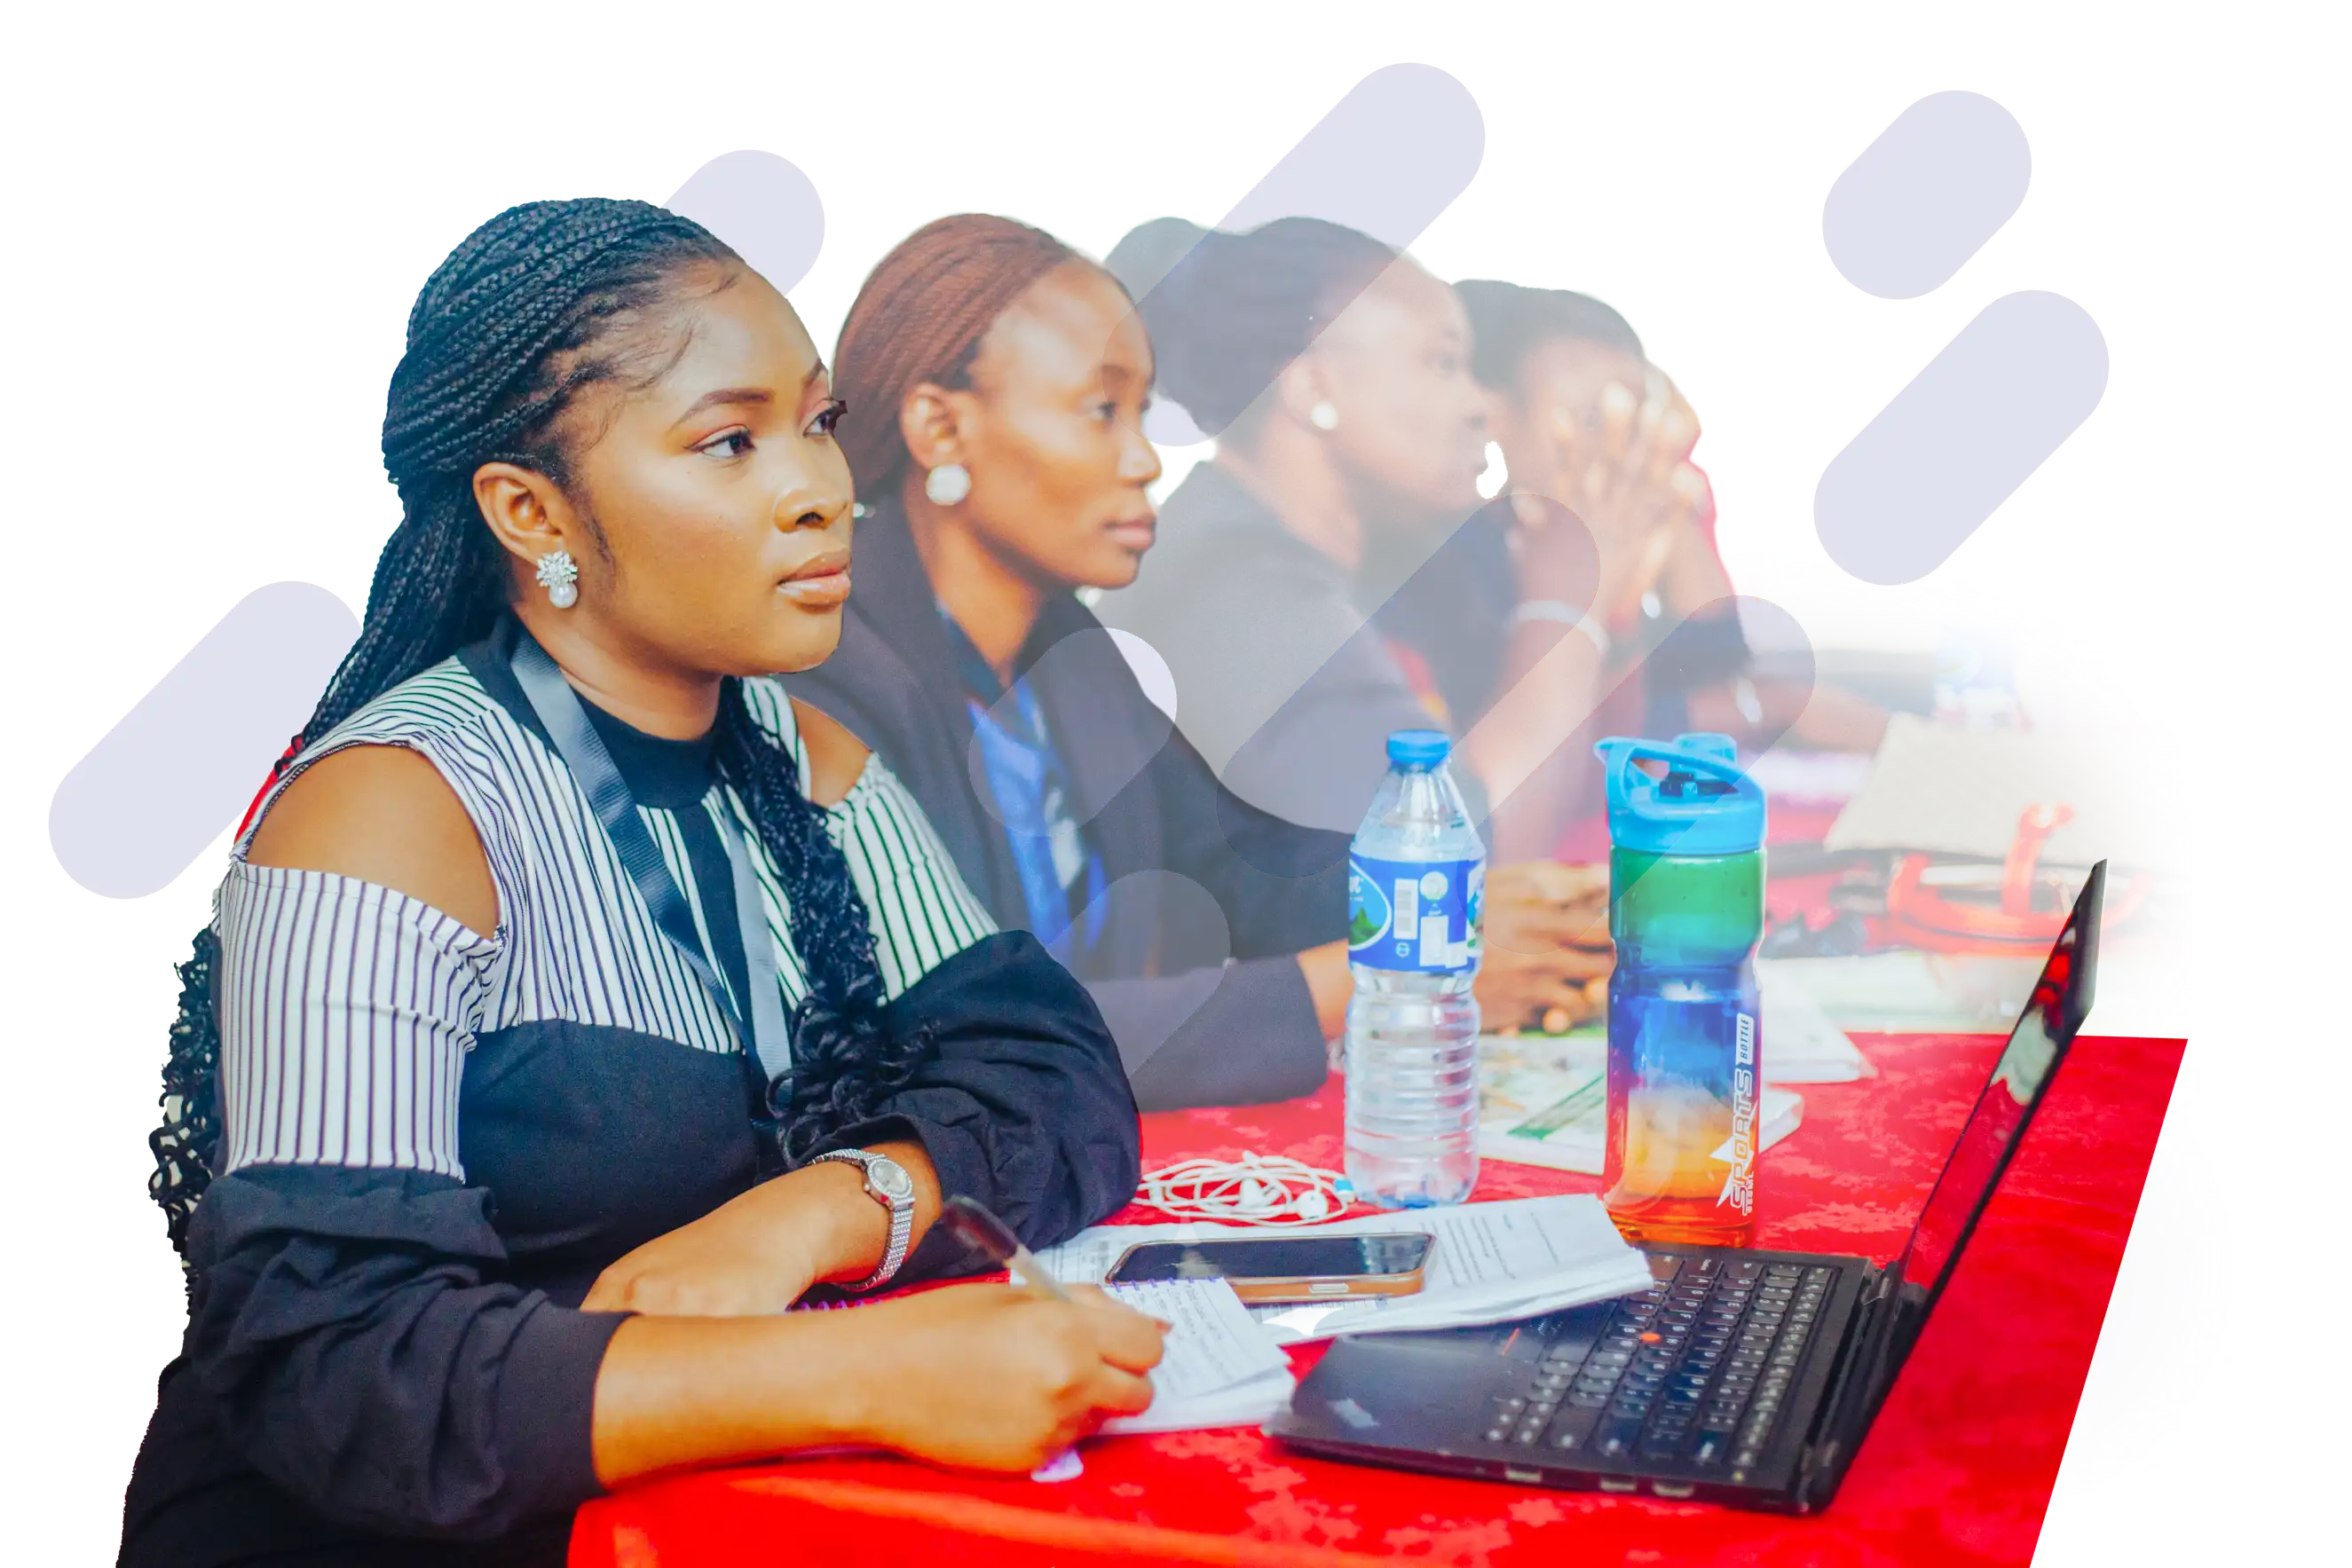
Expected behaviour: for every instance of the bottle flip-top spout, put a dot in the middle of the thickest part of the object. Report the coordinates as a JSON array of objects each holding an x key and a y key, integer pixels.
[{"x": 1703, "y": 804}]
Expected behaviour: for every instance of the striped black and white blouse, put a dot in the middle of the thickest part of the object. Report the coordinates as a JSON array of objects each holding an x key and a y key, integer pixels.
[
  {"x": 348, "y": 1010},
  {"x": 436, "y": 1139}
]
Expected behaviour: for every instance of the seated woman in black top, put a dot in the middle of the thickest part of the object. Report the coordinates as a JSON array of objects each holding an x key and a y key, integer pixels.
[
  {"x": 1003, "y": 470},
  {"x": 579, "y": 1000},
  {"x": 1250, "y": 586}
]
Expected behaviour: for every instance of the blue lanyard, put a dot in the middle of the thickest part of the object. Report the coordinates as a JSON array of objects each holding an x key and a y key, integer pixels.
[
  {"x": 1022, "y": 769},
  {"x": 764, "y": 1034}
]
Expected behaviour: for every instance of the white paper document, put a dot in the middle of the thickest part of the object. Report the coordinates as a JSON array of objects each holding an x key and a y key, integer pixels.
[
  {"x": 1801, "y": 1044},
  {"x": 1492, "y": 1263},
  {"x": 1219, "y": 1368}
]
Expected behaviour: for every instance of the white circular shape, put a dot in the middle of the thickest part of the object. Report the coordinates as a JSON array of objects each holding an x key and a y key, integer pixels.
[
  {"x": 1432, "y": 884},
  {"x": 562, "y": 595},
  {"x": 763, "y": 207},
  {"x": 1152, "y": 671},
  {"x": 948, "y": 484}
]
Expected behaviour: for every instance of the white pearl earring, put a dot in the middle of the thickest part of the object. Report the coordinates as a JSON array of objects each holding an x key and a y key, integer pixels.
[
  {"x": 1323, "y": 416},
  {"x": 560, "y": 575},
  {"x": 948, "y": 484}
]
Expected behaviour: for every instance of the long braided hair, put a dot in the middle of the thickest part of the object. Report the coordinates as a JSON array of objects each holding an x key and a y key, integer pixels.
[
  {"x": 538, "y": 303},
  {"x": 919, "y": 316}
]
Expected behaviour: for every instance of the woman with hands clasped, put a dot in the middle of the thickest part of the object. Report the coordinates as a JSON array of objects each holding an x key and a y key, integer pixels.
[
  {"x": 1590, "y": 431},
  {"x": 576, "y": 1001},
  {"x": 1336, "y": 375}
]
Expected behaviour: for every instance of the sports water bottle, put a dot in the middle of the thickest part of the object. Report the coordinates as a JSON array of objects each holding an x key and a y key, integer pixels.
[
  {"x": 1686, "y": 1049},
  {"x": 1416, "y": 882},
  {"x": 1976, "y": 664}
]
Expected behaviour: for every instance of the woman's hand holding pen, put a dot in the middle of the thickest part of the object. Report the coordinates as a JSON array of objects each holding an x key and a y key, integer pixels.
[{"x": 992, "y": 1378}]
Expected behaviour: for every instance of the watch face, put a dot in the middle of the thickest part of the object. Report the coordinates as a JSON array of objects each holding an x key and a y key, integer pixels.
[{"x": 890, "y": 1179}]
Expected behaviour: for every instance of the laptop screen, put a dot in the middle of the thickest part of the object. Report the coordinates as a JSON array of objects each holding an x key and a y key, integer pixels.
[{"x": 2053, "y": 1013}]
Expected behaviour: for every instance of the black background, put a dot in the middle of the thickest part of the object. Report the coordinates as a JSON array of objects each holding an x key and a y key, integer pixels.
[{"x": 232, "y": 393}]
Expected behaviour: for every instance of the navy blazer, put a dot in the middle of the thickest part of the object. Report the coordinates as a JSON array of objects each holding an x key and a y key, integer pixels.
[{"x": 1210, "y": 899}]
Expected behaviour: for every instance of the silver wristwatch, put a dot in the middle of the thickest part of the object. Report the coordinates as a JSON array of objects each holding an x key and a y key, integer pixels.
[{"x": 887, "y": 1183}]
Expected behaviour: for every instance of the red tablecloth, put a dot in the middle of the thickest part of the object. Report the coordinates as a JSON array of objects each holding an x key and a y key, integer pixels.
[{"x": 1957, "y": 1471}]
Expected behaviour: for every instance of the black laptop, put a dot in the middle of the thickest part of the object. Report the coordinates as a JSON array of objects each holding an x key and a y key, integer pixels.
[{"x": 1739, "y": 1376}]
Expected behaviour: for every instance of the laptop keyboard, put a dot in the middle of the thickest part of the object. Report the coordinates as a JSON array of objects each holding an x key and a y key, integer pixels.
[{"x": 1696, "y": 1368}]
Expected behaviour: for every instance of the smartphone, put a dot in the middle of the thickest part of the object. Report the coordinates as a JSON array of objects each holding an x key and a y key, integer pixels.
[{"x": 1267, "y": 1268}]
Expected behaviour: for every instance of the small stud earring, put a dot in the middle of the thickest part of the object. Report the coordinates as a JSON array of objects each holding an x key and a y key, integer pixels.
[
  {"x": 1323, "y": 416},
  {"x": 948, "y": 484},
  {"x": 560, "y": 575}
]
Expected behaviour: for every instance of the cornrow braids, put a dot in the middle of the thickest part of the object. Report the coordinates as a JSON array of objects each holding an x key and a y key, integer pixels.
[
  {"x": 919, "y": 316},
  {"x": 530, "y": 309}
]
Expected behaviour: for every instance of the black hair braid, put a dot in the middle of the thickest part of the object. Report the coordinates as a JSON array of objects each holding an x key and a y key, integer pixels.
[
  {"x": 844, "y": 1061},
  {"x": 500, "y": 340}
]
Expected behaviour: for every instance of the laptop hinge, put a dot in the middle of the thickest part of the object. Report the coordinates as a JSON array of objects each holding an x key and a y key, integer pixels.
[{"x": 1858, "y": 1363}]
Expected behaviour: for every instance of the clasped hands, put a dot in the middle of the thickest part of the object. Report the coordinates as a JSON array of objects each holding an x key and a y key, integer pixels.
[
  {"x": 1547, "y": 953},
  {"x": 1625, "y": 475}
]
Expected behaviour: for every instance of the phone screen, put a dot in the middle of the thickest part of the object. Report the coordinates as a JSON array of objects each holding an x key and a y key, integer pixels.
[{"x": 1275, "y": 1258}]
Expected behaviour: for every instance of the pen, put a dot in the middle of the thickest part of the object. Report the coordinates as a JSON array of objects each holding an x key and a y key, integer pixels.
[{"x": 982, "y": 1232}]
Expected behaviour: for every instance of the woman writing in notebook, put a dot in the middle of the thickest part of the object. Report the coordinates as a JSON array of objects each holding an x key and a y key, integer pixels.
[{"x": 578, "y": 1001}]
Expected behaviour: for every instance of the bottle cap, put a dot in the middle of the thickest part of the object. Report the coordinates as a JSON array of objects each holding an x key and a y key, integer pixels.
[
  {"x": 1703, "y": 805},
  {"x": 1418, "y": 748}
]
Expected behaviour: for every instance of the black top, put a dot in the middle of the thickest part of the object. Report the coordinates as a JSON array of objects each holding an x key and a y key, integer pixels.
[
  {"x": 1282, "y": 682},
  {"x": 389, "y": 1365},
  {"x": 1209, "y": 898}
]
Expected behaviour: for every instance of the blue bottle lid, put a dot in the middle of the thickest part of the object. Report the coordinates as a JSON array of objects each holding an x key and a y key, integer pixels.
[
  {"x": 1418, "y": 749},
  {"x": 1704, "y": 805}
]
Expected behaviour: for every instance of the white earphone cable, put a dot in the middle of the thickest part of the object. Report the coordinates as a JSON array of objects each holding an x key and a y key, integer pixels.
[{"x": 1256, "y": 1189}]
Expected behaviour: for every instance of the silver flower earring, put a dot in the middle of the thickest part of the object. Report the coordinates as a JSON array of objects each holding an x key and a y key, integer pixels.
[
  {"x": 948, "y": 484},
  {"x": 560, "y": 575},
  {"x": 1323, "y": 416}
]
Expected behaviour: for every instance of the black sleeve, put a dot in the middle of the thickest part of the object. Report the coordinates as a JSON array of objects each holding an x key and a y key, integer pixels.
[
  {"x": 344, "y": 1323},
  {"x": 1023, "y": 1105}
]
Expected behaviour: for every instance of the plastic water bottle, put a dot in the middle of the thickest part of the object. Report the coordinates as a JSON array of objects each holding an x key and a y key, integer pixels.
[
  {"x": 1685, "y": 1038},
  {"x": 1416, "y": 885},
  {"x": 1976, "y": 664}
]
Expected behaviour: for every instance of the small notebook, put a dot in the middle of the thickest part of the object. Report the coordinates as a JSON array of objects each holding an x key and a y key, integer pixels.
[{"x": 1219, "y": 1367}]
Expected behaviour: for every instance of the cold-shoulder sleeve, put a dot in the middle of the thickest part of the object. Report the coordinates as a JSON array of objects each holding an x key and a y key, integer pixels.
[{"x": 346, "y": 1314}]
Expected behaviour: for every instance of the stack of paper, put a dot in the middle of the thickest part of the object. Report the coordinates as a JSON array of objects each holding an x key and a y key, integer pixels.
[
  {"x": 1492, "y": 1263},
  {"x": 1219, "y": 1368},
  {"x": 1801, "y": 1044},
  {"x": 1544, "y": 1101}
]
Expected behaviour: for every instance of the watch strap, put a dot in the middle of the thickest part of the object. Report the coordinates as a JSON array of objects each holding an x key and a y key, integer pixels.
[{"x": 901, "y": 1209}]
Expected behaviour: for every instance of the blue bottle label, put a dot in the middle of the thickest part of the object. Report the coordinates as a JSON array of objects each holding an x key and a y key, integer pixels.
[{"x": 1417, "y": 917}]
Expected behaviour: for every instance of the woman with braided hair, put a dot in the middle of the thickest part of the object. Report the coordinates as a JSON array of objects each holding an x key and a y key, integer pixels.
[{"x": 576, "y": 1001}]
